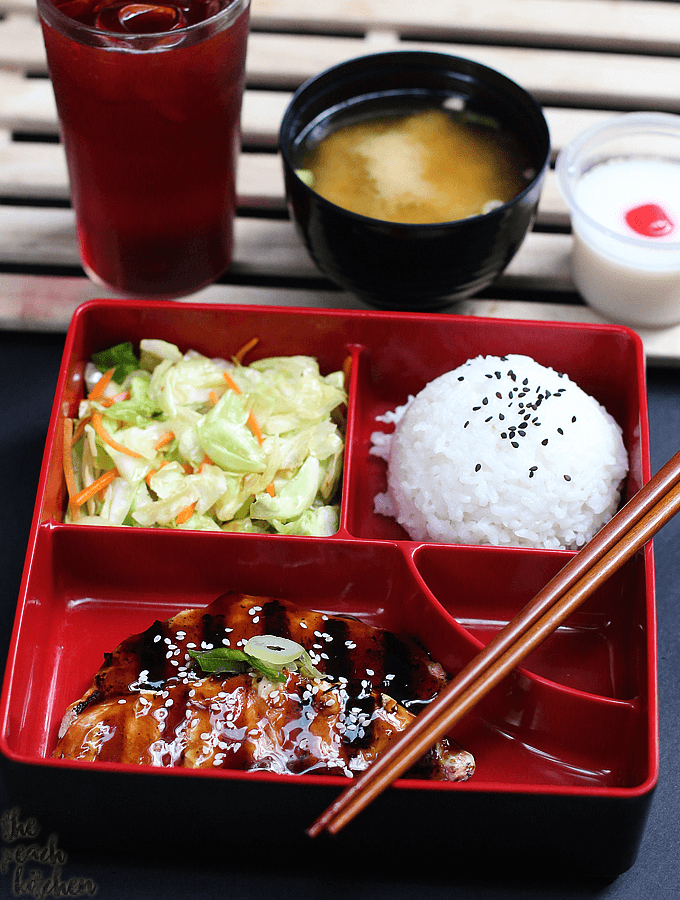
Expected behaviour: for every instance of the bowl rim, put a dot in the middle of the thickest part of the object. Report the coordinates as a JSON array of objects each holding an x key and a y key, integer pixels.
[
  {"x": 155, "y": 41},
  {"x": 438, "y": 59}
]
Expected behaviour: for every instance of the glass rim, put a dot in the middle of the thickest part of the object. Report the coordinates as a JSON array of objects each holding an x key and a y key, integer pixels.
[
  {"x": 50, "y": 13},
  {"x": 625, "y": 124}
]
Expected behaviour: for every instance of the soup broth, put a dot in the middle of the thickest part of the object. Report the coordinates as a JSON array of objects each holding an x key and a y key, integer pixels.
[{"x": 414, "y": 165}]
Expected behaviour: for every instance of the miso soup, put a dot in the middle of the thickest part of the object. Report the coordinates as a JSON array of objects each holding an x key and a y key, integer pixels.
[{"x": 414, "y": 164}]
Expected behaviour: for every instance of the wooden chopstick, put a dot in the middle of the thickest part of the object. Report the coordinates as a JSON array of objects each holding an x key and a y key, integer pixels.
[{"x": 647, "y": 512}]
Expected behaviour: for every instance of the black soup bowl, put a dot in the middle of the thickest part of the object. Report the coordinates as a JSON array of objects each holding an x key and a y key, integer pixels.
[{"x": 398, "y": 266}]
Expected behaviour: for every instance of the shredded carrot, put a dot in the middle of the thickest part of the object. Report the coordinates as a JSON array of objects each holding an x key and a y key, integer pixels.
[
  {"x": 206, "y": 461},
  {"x": 230, "y": 381},
  {"x": 347, "y": 370},
  {"x": 188, "y": 470},
  {"x": 164, "y": 439},
  {"x": 270, "y": 489},
  {"x": 101, "y": 385},
  {"x": 78, "y": 433},
  {"x": 252, "y": 421},
  {"x": 153, "y": 471},
  {"x": 246, "y": 348},
  {"x": 109, "y": 401},
  {"x": 186, "y": 513},
  {"x": 213, "y": 396},
  {"x": 69, "y": 475},
  {"x": 99, "y": 484},
  {"x": 255, "y": 428},
  {"x": 106, "y": 437}
]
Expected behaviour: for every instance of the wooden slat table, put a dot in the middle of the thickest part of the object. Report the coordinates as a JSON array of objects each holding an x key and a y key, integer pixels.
[{"x": 583, "y": 60}]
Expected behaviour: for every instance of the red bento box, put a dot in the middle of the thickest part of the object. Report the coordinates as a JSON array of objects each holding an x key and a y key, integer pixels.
[{"x": 566, "y": 747}]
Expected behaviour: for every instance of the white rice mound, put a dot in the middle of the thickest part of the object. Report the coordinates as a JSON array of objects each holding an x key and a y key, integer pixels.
[{"x": 502, "y": 451}]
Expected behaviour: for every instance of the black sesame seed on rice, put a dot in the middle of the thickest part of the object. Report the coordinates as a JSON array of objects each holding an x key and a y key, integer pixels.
[
  {"x": 559, "y": 431},
  {"x": 514, "y": 444},
  {"x": 545, "y": 442},
  {"x": 567, "y": 477},
  {"x": 478, "y": 467}
]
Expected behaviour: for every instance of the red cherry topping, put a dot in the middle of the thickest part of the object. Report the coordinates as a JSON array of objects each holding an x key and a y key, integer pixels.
[{"x": 650, "y": 220}]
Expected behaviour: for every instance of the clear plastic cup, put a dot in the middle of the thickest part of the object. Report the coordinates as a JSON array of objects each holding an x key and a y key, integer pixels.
[{"x": 621, "y": 181}]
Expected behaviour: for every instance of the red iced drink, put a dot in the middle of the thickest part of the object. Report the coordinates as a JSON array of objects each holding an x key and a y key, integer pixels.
[{"x": 149, "y": 101}]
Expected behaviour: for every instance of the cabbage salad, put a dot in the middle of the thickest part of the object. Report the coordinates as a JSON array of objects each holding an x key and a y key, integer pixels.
[{"x": 178, "y": 440}]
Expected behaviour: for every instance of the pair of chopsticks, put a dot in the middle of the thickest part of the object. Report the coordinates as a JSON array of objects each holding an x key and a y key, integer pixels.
[{"x": 645, "y": 514}]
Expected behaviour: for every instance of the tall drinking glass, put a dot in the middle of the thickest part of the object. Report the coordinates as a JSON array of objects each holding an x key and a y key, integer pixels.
[{"x": 149, "y": 103}]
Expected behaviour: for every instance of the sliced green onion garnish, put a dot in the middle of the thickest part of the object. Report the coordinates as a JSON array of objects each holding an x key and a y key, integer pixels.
[
  {"x": 271, "y": 649},
  {"x": 307, "y": 176},
  {"x": 265, "y": 653},
  {"x": 225, "y": 660},
  {"x": 307, "y": 667},
  {"x": 221, "y": 659}
]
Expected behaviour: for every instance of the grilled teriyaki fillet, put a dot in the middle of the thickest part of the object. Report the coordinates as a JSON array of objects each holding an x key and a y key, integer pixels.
[{"x": 150, "y": 703}]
